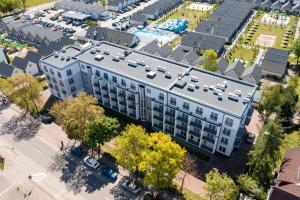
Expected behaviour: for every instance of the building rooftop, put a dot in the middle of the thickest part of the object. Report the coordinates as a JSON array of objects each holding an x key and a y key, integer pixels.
[{"x": 161, "y": 73}]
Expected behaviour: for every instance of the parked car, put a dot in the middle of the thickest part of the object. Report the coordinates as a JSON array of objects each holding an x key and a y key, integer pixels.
[
  {"x": 109, "y": 173},
  {"x": 60, "y": 20},
  {"x": 84, "y": 25},
  {"x": 130, "y": 186},
  {"x": 115, "y": 24},
  {"x": 91, "y": 162},
  {"x": 47, "y": 119},
  {"x": 76, "y": 151},
  {"x": 53, "y": 18},
  {"x": 250, "y": 137},
  {"x": 69, "y": 22}
]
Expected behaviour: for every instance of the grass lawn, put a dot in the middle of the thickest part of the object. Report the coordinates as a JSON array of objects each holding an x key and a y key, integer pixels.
[
  {"x": 189, "y": 195},
  {"x": 241, "y": 53},
  {"x": 183, "y": 12},
  {"x": 174, "y": 42},
  {"x": 31, "y": 3}
]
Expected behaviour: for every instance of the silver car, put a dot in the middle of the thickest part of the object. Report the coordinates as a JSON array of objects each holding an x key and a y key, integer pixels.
[
  {"x": 130, "y": 186},
  {"x": 91, "y": 162}
]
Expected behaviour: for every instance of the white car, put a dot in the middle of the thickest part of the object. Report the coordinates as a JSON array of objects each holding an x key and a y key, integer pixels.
[
  {"x": 131, "y": 186},
  {"x": 91, "y": 162}
]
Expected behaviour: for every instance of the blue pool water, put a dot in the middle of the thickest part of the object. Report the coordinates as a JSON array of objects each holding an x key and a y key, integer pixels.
[{"x": 155, "y": 35}]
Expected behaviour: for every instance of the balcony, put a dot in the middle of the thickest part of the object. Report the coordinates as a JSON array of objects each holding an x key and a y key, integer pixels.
[
  {"x": 105, "y": 96},
  {"x": 104, "y": 88},
  {"x": 169, "y": 131},
  {"x": 132, "y": 115},
  {"x": 107, "y": 104},
  {"x": 97, "y": 85},
  {"x": 157, "y": 117},
  {"x": 123, "y": 111},
  {"x": 181, "y": 128},
  {"x": 122, "y": 103},
  {"x": 210, "y": 130},
  {"x": 113, "y": 91},
  {"x": 206, "y": 148},
  {"x": 183, "y": 119},
  {"x": 114, "y": 99},
  {"x": 193, "y": 142},
  {"x": 130, "y": 98},
  {"x": 208, "y": 139},
  {"x": 194, "y": 133},
  {"x": 158, "y": 109},
  {"x": 197, "y": 125},
  {"x": 171, "y": 123},
  {"x": 157, "y": 127},
  {"x": 115, "y": 108},
  {"x": 182, "y": 137},
  {"x": 122, "y": 95},
  {"x": 131, "y": 107},
  {"x": 98, "y": 93},
  {"x": 170, "y": 114}
]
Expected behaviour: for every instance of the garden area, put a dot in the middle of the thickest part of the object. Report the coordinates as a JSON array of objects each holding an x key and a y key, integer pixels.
[
  {"x": 266, "y": 30},
  {"x": 193, "y": 15}
]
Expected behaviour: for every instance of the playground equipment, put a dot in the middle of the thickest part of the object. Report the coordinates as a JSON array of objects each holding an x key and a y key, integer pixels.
[{"x": 174, "y": 25}]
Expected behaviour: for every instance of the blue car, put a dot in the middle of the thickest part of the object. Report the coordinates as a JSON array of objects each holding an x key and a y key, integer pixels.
[
  {"x": 109, "y": 173},
  {"x": 77, "y": 151}
]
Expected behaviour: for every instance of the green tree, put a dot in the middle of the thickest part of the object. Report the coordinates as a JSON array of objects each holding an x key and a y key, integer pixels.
[
  {"x": 130, "y": 145},
  {"x": 75, "y": 114},
  {"x": 296, "y": 50},
  {"x": 24, "y": 90},
  {"x": 266, "y": 155},
  {"x": 101, "y": 130},
  {"x": 287, "y": 107},
  {"x": 249, "y": 186},
  {"x": 219, "y": 186},
  {"x": 162, "y": 160},
  {"x": 210, "y": 61},
  {"x": 271, "y": 100}
]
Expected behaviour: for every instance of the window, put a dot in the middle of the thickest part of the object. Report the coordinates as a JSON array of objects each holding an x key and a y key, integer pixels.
[
  {"x": 114, "y": 79},
  {"x": 173, "y": 101},
  {"x": 97, "y": 73},
  {"x": 186, "y": 105},
  {"x": 48, "y": 77},
  {"x": 71, "y": 81},
  {"x": 222, "y": 149},
  {"x": 212, "y": 127},
  {"x": 123, "y": 82},
  {"x": 82, "y": 67},
  {"x": 54, "y": 80},
  {"x": 56, "y": 88},
  {"x": 214, "y": 116},
  {"x": 50, "y": 85},
  {"x": 105, "y": 76},
  {"x": 161, "y": 96},
  {"x": 73, "y": 89},
  {"x": 64, "y": 92},
  {"x": 199, "y": 111},
  {"x": 59, "y": 74},
  {"x": 46, "y": 68},
  {"x": 148, "y": 91},
  {"x": 198, "y": 121},
  {"x": 132, "y": 86},
  {"x": 226, "y": 131},
  {"x": 61, "y": 83},
  {"x": 228, "y": 122},
  {"x": 69, "y": 72},
  {"x": 224, "y": 140},
  {"x": 51, "y": 71}
]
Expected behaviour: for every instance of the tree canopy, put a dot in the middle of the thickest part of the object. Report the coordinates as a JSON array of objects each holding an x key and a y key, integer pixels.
[
  {"x": 219, "y": 186},
  {"x": 23, "y": 89},
  {"x": 130, "y": 145},
  {"x": 296, "y": 49},
  {"x": 249, "y": 186},
  {"x": 210, "y": 61},
  {"x": 75, "y": 114},
  {"x": 266, "y": 155},
  {"x": 162, "y": 161}
]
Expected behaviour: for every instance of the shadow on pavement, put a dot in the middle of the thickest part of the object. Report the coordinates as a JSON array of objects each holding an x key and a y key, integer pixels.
[
  {"x": 21, "y": 127},
  {"x": 75, "y": 174},
  {"x": 119, "y": 193}
]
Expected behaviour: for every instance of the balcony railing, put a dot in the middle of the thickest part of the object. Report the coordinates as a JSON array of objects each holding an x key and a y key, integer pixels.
[
  {"x": 169, "y": 122},
  {"x": 182, "y": 137},
  {"x": 158, "y": 109},
  {"x": 131, "y": 107},
  {"x": 183, "y": 119},
  {"x": 113, "y": 91},
  {"x": 114, "y": 99},
  {"x": 182, "y": 128},
  {"x": 157, "y": 118},
  {"x": 157, "y": 126},
  {"x": 193, "y": 142},
  {"x": 169, "y": 131},
  {"x": 209, "y": 130},
  {"x": 130, "y": 98},
  {"x": 121, "y": 94},
  {"x": 105, "y": 96},
  {"x": 194, "y": 133},
  {"x": 122, "y": 103},
  {"x": 206, "y": 148},
  {"x": 170, "y": 114},
  {"x": 198, "y": 125},
  {"x": 208, "y": 139},
  {"x": 104, "y": 88}
]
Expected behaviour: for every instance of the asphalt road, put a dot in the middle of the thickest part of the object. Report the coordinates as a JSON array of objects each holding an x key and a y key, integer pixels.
[{"x": 66, "y": 176}]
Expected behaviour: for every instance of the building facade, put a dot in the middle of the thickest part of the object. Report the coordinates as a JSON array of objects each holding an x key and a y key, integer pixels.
[{"x": 199, "y": 109}]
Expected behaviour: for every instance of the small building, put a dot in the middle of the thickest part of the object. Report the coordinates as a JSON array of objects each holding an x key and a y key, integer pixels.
[
  {"x": 113, "y": 36},
  {"x": 73, "y": 15},
  {"x": 25, "y": 65},
  {"x": 7, "y": 70},
  {"x": 3, "y": 56},
  {"x": 275, "y": 63},
  {"x": 159, "y": 8},
  {"x": 287, "y": 183},
  {"x": 138, "y": 19}
]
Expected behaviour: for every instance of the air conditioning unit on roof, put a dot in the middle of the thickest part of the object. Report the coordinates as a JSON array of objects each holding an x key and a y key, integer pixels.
[
  {"x": 161, "y": 69},
  {"x": 233, "y": 96},
  {"x": 194, "y": 78},
  {"x": 168, "y": 75},
  {"x": 106, "y": 52},
  {"x": 191, "y": 87},
  {"x": 147, "y": 68}
]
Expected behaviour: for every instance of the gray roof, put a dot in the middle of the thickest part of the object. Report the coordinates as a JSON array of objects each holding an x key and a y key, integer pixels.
[
  {"x": 139, "y": 74},
  {"x": 192, "y": 58},
  {"x": 255, "y": 71},
  {"x": 237, "y": 66},
  {"x": 223, "y": 64},
  {"x": 114, "y": 2},
  {"x": 165, "y": 50},
  {"x": 151, "y": 47},
  {"x": 33, "y": 57},
  {"x": 110, "y": 35},
  {"x": 20, "y": 63},
  {"x": 203, "y": 41},
  {"x": 275, "y": 56},
  {"x": 55, "y": 46},
  {"x": 6, "y": 70},
  {"x": 6, "y": 58},
  {"x": 178, "y": 54},
  {"x": 161, "y": 6},
  {"x": 139, "y": 17}
]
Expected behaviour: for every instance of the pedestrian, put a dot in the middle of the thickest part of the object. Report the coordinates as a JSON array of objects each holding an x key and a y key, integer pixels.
[{"x": 62, "y": 145}]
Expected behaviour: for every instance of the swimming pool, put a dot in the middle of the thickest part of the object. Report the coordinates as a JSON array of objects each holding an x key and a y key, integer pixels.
[{"x": 162, "y": 36}]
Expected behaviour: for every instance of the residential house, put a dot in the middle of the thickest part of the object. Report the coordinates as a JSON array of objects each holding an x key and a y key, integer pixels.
[
  {"x": 25, "y": 65},
  {"x": 274, "y": 63},
  {"x": 159, "y": 8},
  {"x": 7, "y": 70},
  {"x": 110, "y": 35},
  {"x": 287, "y": 183},
  {"x": 252, "y": 74},
  {"x": 151, "y": 47}
]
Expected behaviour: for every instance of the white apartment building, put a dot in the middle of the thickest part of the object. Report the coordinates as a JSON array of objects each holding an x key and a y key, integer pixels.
[{"x": 199, "y": 109}]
